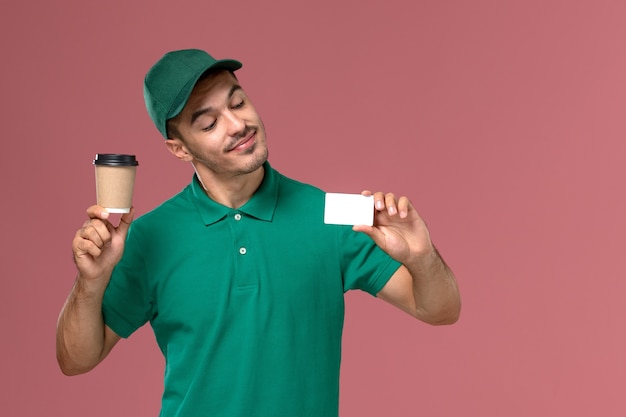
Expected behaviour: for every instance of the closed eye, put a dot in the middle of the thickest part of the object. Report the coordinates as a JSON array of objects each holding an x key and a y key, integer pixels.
[{"x": 209, "y": 127}]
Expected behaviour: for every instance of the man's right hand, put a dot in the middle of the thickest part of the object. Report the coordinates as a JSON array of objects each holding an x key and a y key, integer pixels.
[
  {"x": 83, "y": 340},
  {"x": 98, "y": 245}
]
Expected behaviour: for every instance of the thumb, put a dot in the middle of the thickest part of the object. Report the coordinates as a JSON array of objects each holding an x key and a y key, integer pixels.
[
  {"x": 125, "y": 221},
  {"x": 376, "y": 235}
]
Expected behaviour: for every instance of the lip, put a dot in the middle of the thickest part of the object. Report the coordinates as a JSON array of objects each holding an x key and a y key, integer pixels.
[{"x": 245, "y": 143}]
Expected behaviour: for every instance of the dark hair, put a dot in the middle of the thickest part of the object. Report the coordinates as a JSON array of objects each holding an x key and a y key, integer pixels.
[{"x": 172, "y": 130}]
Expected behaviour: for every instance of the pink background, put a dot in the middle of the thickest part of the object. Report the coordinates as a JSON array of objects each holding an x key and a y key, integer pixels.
[{"x": 503, "y": 121}]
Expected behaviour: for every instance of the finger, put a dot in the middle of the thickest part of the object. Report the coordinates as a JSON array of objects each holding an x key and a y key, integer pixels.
[
  {"x": 391, "y": 204},
  {"x": 403, "y": 207},
  {"x": 366, "y": 193},
  {"x": 82, "y": 247},
  {"x": 97, "y": 231},
  {"x": 85, "y": 247},
  {"x": 97, "y": 212},
  {"x": 379, "y": 201}
]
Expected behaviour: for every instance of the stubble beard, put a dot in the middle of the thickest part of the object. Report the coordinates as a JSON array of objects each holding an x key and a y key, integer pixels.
[{"x": 215, "y": 166}]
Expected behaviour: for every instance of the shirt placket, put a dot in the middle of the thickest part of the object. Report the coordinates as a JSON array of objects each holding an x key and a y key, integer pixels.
[{"x": 244, "y": 254}]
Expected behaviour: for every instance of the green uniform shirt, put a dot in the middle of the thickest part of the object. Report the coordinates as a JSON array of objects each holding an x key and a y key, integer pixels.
[{"x": 246, "y": 305}]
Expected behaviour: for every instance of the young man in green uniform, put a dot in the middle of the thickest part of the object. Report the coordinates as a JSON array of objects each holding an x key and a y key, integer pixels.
[{"x": 238, "y": 275}]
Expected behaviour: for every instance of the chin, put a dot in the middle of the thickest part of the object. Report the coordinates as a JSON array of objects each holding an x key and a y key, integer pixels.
[{"x": 257, "y": 161}]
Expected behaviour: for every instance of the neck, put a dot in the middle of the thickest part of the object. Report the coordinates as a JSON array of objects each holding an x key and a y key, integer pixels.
[{"x": 231, "y": 191}]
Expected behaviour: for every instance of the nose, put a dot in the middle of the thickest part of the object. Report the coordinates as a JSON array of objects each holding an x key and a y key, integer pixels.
[{"x": 236, "y": 125}]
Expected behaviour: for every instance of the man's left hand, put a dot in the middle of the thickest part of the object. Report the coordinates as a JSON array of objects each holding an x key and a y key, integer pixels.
[{"x": 398, "y": 229}]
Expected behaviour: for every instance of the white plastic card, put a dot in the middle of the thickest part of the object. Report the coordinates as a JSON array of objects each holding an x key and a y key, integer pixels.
[{"x": 349, "y": 209}]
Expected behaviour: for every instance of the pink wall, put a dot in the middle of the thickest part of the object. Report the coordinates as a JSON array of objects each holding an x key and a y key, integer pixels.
[{"x": 503, "y": 121}]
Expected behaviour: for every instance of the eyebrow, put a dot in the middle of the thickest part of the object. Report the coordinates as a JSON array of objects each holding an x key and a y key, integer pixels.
[{"x": 205, "y": 110}]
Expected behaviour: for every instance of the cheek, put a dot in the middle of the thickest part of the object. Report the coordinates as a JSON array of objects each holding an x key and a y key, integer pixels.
[{"x": 209, "y": 144}]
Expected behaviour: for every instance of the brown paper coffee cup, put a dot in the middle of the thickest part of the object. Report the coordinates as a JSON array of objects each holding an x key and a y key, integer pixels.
[{"x": 115, "y": 181}]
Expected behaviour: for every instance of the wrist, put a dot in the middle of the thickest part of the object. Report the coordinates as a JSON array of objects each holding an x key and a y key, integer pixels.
[
  {"x": 85, "y": 287},
  {"x": 424, "y": 261}
]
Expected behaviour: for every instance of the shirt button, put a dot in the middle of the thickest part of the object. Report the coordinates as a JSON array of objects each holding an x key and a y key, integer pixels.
[
  {"x": 242, "y": 250},
  {"x": 238, "y": 216}
]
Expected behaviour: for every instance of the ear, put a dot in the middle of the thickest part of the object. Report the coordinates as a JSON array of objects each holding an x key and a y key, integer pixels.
[{"x": 178, "y": 149}]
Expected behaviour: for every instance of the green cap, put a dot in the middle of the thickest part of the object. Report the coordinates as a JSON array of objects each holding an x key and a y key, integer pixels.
[{"x": 169, "y": 82}]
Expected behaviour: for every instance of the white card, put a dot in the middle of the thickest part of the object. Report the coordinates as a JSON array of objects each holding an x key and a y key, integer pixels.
[{"x": 349, "y": 209}]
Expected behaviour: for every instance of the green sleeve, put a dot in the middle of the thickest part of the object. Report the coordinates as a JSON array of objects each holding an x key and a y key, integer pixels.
[
  {"x": 127, "y": 303},
  {"x": 364, "y": 265}
]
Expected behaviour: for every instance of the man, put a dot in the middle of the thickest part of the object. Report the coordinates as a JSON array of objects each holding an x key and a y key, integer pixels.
[{"x": 240, "y": 279}]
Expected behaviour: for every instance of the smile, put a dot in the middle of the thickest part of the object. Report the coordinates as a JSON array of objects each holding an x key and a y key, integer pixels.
[{"x": 245, "y": 143}]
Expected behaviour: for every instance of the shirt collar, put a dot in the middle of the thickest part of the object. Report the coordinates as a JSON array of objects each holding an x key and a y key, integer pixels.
[{"x": 261, "y": 206}]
